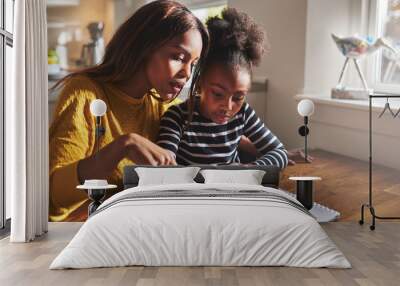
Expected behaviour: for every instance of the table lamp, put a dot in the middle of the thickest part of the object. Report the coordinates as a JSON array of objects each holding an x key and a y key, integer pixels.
[
  {"x": 305, "y": 108},
  {"x": 98, "y": 108},
  {"x": 96, "y": 189}
]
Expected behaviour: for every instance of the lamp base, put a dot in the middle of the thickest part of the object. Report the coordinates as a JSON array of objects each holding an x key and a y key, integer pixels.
[
  {"x": 96, "y": 195},
  {"x": 350, "y": 93},
  {"x": 305, "y": 190}
]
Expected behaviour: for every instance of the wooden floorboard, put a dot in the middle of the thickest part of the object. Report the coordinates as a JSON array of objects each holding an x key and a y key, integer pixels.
[
  {"x": 344, "y": 185},
  {"x": 374, "y": 255}
]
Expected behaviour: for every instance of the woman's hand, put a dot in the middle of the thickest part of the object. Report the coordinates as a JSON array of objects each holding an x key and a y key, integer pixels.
[
  {"x": 132, "y": 146},
  {"x": 143, "y": 151},
  {"x": 297, "y": 155}
]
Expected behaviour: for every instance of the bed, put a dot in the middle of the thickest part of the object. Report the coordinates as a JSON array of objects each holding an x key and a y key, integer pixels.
[{"x": 201, "y": 224}]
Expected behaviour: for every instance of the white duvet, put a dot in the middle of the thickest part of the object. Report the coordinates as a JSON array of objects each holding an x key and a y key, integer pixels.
[{"x": 133, "y": 229}]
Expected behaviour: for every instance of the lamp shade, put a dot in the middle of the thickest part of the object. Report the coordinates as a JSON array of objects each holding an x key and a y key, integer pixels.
[
  {"x": 98, "y": 107},
  {"x": 305, "y": 107}
]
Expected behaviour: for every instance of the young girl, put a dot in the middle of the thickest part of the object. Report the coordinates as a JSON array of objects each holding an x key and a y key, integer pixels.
[
  {"x": 145, "y": 65},
  {"x": 207, "y": 128}
]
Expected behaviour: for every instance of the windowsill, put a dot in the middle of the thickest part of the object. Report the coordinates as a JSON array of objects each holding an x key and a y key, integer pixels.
[{"x": 377, "y": 103}]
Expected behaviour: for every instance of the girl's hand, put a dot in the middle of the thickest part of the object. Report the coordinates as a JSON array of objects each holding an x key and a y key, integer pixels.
[
  {"x": 297, "y": 155},
  {"x": 247, "y": 146}
]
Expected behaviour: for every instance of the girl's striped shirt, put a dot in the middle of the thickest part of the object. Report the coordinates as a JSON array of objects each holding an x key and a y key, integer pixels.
[{"x": 206, "y": 142}]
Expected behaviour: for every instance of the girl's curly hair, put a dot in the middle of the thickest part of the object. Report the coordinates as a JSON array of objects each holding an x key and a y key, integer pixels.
[{"x": 235, "y": 41}]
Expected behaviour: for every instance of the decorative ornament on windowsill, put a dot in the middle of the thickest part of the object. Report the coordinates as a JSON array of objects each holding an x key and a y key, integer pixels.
[
  {"x": 305, "y": 108},
  {"x": 354, "y": 48},
  {"x": 96, "y": 189}
]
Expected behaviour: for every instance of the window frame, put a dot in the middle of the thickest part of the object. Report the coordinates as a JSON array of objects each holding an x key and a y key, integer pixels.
[
  {"x": 377, "y": 8},
  {"x": 206, "y": 4},
  {"x": 6, "y": 39}
]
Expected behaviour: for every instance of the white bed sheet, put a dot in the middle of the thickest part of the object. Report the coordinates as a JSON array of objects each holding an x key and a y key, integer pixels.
[{"x": 192, "y": 231}]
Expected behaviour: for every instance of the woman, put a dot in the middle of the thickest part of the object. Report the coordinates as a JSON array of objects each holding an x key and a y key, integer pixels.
[{"x": 146, "y": 64}]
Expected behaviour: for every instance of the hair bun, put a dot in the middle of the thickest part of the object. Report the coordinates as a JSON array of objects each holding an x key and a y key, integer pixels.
[{"x": 236, "y": 31}]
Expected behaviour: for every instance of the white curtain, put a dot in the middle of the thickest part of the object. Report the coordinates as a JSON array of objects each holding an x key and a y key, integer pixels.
[{"x": 27, "y": 124}]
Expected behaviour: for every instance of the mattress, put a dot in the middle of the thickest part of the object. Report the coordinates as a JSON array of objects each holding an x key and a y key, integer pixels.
[{"x": 201, "y": 225}]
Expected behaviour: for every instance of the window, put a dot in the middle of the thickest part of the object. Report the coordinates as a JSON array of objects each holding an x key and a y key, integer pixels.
[
  {"x": 385, "y": 65},
  {"x": 210, "y": 10},
  {"x": 6, "y": 43}
]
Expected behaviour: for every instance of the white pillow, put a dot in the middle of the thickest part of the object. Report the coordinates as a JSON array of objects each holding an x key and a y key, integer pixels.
[
  {"x": 166, "y": 176},
  {"x": 248, "y": 177}
]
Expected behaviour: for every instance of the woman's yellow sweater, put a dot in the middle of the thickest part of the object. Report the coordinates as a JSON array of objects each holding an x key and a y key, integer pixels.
[{"x": 72, "y": 135}]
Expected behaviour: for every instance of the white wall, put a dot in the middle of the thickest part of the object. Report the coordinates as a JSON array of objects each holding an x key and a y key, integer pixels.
[
  {"x": 285, "y": 23},
  {"x": 304, "y": 59},
  {"x": 323, "y": 59}
]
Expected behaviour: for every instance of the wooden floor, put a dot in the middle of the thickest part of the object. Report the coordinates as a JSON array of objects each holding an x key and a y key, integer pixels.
[
  {"x": 344, "y": 185},
  {"x": 374, "y": 255}
]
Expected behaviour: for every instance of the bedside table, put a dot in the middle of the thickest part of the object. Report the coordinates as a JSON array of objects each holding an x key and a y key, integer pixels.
[
  {"x": 304, "y": 190},
  {"x": 96, "y": 191}
]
